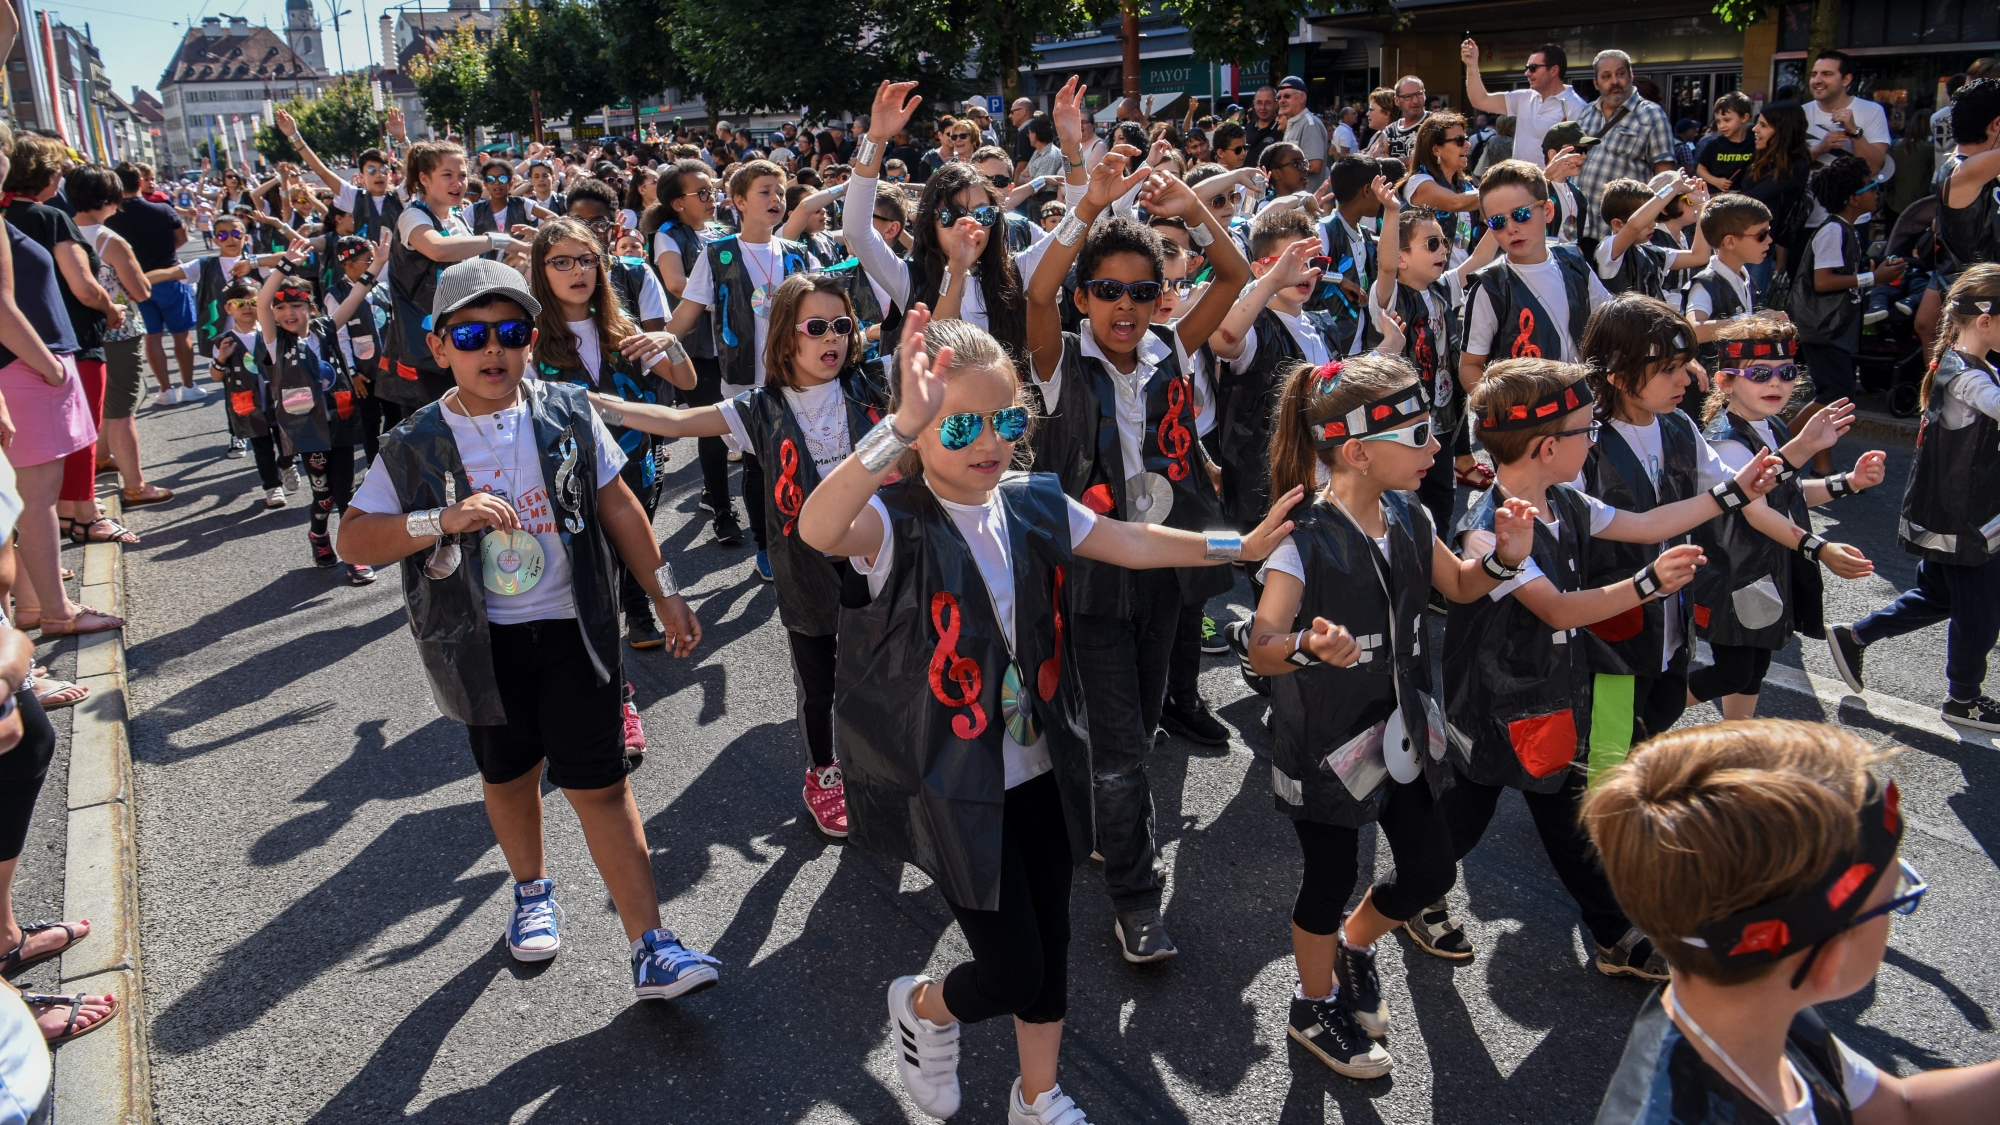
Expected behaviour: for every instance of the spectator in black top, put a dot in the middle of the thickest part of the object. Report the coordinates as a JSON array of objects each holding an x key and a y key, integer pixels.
[
  {"x": 1776, "y": 178},
  {"x": 1263, "y": 129},
  {"x": 156, "y": 234},
  {"x": 1022, "y": 112},
  {"x": 1726, "y": 152}
]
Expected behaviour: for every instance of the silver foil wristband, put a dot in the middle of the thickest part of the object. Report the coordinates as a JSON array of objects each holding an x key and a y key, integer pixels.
[
  {"x": 1071, "y": 230},
  {"x": 425, "y": 525},
  {"x": 499, "y": 241},
  {"x": 676, "y": 353},
  {"x": 1198, "y": 234},
  {"x": 1223, "y": 546},
  {"x": 611, "y": 414},
  {"x": 665, "y": 577},
  {"x": 865, "y": 151},
  {"x": 881, "y": 445}
]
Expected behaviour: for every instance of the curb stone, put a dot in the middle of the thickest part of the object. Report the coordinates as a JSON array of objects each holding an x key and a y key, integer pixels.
[{"x": 103, "y": 1078}]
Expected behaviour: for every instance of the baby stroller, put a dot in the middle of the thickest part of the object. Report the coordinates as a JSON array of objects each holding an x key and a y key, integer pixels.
[{"x": 1891, "y": 359}]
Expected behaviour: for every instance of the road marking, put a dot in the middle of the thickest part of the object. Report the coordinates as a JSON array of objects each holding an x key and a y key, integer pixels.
[{"x": 1834, "y": 693}]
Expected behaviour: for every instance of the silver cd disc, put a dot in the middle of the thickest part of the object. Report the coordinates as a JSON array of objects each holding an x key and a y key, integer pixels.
[
  {"x": 512, "y": 561},
  {"x": 1148, "y": 498}
]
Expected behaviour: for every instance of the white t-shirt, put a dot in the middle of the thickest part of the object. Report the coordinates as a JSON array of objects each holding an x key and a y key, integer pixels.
[
  {"x": 1345, "y": 140},
  {"x": 1206, "y": 416},
  {"x": 821, "y": 413},
  {"x": 1535, "y": 115},
  {"x": 413, "y": 220},
  {"x": 1475, "y": 544},
  {"x": 1869, "y": 118},
  {"x": 1312, "y": 346},
  {"x": 1285, "y": 559},
  {"x": 1859, "y": 1080},
  {"x": 1130, "y": 389},
  {"x": 1828, "y": 247},
  {"x": 1544, "y": 280},
  {"x": 1699, "y": 300},
  {"x": 652, "y": 296},
  {"x": 766, "y": 267},
  {"x": 191, "y": 269},
  {"x": 25, "y": 1068},
  {"x": 1734, "y": 456},
  {"x": 499, "y": 457},
  {"x": 984, "y": 527},
  {"x": 349, "y": 197},
  {"x": 589, "y": 349}
]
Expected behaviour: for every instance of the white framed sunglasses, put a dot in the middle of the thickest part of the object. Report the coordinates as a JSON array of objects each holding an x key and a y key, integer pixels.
[{"x": 1416, "y": 437}]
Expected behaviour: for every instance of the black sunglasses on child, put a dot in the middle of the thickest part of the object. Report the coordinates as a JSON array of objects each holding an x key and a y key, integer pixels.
[
  {"x": 985, "y": 215},
  {"x": 471, "y": 336},
  {"x": 1789, "y": 373},
  {"x": 1106, "y": 289}
]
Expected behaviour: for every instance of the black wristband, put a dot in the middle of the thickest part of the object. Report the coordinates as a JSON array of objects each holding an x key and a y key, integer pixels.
[
  {"x": 1647, "y": 582},
  {"x": 1499, "y": 570},
  {"x": 1838, "y": 485},
  {"x": 1810, "y": 546},
  {"x": 1730, "y": 495},
  {"x": 1786, "y": 474},
  {"x": 368, "y": 279}
]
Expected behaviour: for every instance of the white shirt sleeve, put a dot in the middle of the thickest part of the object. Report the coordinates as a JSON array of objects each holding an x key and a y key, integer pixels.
[
  {"x": 1827, "y": 248},
  {"x": 1858, "y": 1077},
  {"x": 1601, "y": 514},
  {"x": 1027, "y": 260},
  {"x": 652, "y": 296},
  {"x": 700, "y": 283},
  {"x": 191, "y": 270},
  {"x": 1732, "y": 454},
  {"x": 665, "y": 245},
  {"x": 1248, "y": 356},
  {"x": 1598, "y": 295},
  {"x": 1477, "y": 543},
  {"x": 885, "y": 555},
  {"x": 1607, "y": 263},
  {"x": 1284, "y": 558},
  {"x": 1051, "y": 387},
  {"x": 1484, "y": 321},
  {"x": 610, "y": 458},
  {"x": 376, "y": 493},
  {"x": 1709, "y": 469},
  {"x": 1700, "y": 301},
  {"x": 410, "y": 222},
  {"x": 345, "y": 197},
  {"x": 730, "y": 415},
  {"x": 880, "y": 262},
  {"x": 1082, "y": 521}
]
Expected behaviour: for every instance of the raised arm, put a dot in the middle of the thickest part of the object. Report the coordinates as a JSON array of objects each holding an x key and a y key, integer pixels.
[
  {"x": 891, "y": 112},
  {"x": 1476, "y": 94},
  {"x": 1166, "y": 194},
  {"x": 1755, "y": 478},
  {"x": 1389, "y": 247},
  {"x": 1108, "y": 181},
  {"x": 1231, "y": 336}
]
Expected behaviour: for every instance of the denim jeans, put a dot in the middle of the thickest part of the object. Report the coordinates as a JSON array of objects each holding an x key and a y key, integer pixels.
[
  {"x": 1968, "y": 597},
  {"x": 1123, "y": 662}
]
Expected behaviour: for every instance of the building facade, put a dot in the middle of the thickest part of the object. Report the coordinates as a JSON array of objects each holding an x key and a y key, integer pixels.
[{"x": 220, "y": 86}]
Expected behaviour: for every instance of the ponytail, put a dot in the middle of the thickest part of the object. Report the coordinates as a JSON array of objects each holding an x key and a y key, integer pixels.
[
  {"x": 1317, "y": 392},
  {"x": 1979, "y": 282}
]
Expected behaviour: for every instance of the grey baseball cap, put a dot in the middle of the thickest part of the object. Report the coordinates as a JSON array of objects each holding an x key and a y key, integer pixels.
[{"x": 467, "y": 281}]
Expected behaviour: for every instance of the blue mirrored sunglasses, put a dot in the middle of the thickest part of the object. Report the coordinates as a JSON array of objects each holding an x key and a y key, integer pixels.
[
  {"x": 1519, "y": 214},
  {"x": 471, "y": 336},
  {"x": 956, "y": 431}
]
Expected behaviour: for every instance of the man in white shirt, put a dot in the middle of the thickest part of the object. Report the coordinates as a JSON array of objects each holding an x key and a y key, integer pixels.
[
  {"x": 1345, "y": 142},
  {"x": 1836, "y": 119},
  {"x": 1547, "y": 101}
]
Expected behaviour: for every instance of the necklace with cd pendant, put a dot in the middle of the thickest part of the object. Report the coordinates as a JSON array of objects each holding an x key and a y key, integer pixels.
[{"x": 511, "y": 562}]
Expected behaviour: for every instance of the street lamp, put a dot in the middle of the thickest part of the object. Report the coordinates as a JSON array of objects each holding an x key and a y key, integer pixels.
[{"x": 334, "y": 7}]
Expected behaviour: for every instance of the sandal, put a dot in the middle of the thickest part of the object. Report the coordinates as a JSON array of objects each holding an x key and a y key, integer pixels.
[
  {"x": 151, "y": 494},
  {"x": 13, "y": 962},
  {"x": 54, "y": 694},
  {"x": 75, "y": 1002},
  {"x": 87, "y": 620},
  {"x": 117, "y": 533},
  {"x": 1478, "y": 475}
]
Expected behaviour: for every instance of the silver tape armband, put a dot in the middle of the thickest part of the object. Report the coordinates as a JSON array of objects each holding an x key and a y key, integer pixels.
[
  {"x": 425, "y": 525},
  {"x": 665, "y": 577},
  {"x": 1730, "y": 495},
  {"x": 1224, "y": 546},
  {"x": 676, "y": 353},
  {"x": 865, "y": 151},
  {"x": 1071, "y": 230},
  {"x": 499, "y": 241},
  {"x": 1200, "y": 236},
  {"x": 880, "y": 446}
]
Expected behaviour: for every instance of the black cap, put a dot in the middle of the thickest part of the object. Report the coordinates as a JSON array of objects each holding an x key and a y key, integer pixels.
[{"x": 1292, "y": 82}]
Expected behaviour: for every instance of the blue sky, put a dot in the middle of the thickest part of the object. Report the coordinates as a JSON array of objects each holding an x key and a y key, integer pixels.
[{"x": 136, "y": 37}]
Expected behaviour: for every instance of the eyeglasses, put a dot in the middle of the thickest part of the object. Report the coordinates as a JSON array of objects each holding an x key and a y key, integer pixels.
[
  {"x": 1001, "y": 182},
  {"x": 1106, "y": 289},
  {"x": 228, "y": 235},
  {"x": 499, "y": 179},
  {"x": 374, "y": 169},
  {"x": 706, "y": 195},
  {"x": 956, "y": 431},
  {"x": 1318, "y": 262},
  {"x": 1419, "y": 95},
  {"x": 563, "y": 263},
  {"x": 819, "y": 326},
  {"x": 888, "y": 218},
  {"x": 1182, "y": 286},
  {"x": 1416, "y": 437},
  {"x": 1434, "y": 243},
  {"x": 1592, "y": 430},
  {"x": 1521, "y": 215},
  {"x": 1788, "y": 373},
  {"x": 1300, "y": 165},
  {"x": 1910, "y": 888},
  {"x": 471, "y": 336},
  {"x": 1458, "y": 140},
  {"x": 985, "y": 215}
]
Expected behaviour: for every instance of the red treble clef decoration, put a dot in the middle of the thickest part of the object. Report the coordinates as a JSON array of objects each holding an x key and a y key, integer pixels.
[
  {"x": 947, "y": 664},
  {"x": 1174, "y": 438},
  {"x": 1524, "y": 344},
  {"x": 787, "y": 493},
  {"x": 1049, "y": 676}
]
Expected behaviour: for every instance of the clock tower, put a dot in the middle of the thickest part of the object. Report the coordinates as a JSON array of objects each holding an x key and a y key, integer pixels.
[{"x": 302, "y": 34}]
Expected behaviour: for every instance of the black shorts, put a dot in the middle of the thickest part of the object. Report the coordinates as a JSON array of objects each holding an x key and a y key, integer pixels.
[{"x": 556, "y": 710}]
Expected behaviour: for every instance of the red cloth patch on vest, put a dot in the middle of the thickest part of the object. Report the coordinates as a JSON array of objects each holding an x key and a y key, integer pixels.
[
  {"x": 243, "y": 403},
  {"x": 1098, "y": 499},
  {"x": 1702, "y": 614},
  {"x": 1621, "y": 626},
  {"x": 1544, "y": 743}
]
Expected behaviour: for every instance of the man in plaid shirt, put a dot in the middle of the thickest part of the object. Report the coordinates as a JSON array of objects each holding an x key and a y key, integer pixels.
[{"x": 1636, "y": 141}]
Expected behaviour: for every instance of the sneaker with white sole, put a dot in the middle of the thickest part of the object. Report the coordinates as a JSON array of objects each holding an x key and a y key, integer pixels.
[
  {"x": 290, "y": 475},
  {"x": 237, "y": 448},
  {"x": 1053, "y": 1107},
  {"x": 533, "y": 929},
  {"x": 1328, "y": 1029},
  {"x": 663, "y": 968},
  {"x": 926, "y": 1053},
  {"x": 1361, "y": 987},
  {"x": 826, "y": 799},
  {"x": 634, "y": 728},
  {"x": 193, "y": 393},
  {"x": 274, "y": 497},
  {"x": 1212, "y": 643},
  {"x": 1982, "y": 713},
  {"x": 1847, "y": 649},
  {"x": 168, "y": 397}
]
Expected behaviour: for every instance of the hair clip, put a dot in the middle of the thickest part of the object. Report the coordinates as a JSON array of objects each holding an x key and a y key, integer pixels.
[{"x": 1326, "y": 377}]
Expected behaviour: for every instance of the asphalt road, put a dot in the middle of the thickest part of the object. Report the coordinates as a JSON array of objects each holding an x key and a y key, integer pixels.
[{"x": 323, "y": 901}]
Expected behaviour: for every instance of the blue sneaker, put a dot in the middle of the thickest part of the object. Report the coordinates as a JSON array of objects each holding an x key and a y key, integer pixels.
[
  {"x": 764, "y": 565},
  {"x": 531, "y": 930},
  {"x": 663, "y": 968}
]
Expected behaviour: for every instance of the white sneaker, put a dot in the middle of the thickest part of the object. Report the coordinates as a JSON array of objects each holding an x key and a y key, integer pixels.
[
  {"x": 170, "y": 396},
  {"x": 274, "y": 497},
  {"x": 926, "y": 1054},
  {"x": 1053, "y": 1108},
  {"x": 237, "y": 448},
  {"x": 192, "y": 393},
  {"x": 291, "y": 474}
]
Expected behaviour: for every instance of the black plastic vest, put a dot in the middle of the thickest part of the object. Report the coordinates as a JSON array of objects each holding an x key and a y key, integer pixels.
[
  {"x": 700, "y": 339},
  {"x": 917, "y": 701},
  {"x": 1080, "y": 444},
  {"x": 413, "y": 282},
  {"x": 1725, "y": 303},
  {"x": 1828, "y": 318},
  {"x": 369, "y": 220},
  {"x": 1740, "y": 556},
  {"x": 1517, "y": 692},
  {"x": 448, "y": 615},
  {"x": 1966, "y": 235},
  {"x": 1243, "y": 432},
  {"x": 1642, "y": 270},
  {"x": 318, "y": 383},
  {"x": 645, "y": 454},
  {"x": 1318, "y": 711},
  {"x": 1436, "y": 360},
  {"x": 482, "y": 220},
  {"x": 210, "y": 320},
  {"x": 1521, "y": 326},
  {"x": 1635, "y": 639},
  {"x": 1952, "y": 502},
  {"x": 808, "y": 589},
  {"x": 868, "y": 309},
  {"x": 736, "y": 319},
  {"x": 245, "y": 395},
  {"x": 1662, "y": 1078}
]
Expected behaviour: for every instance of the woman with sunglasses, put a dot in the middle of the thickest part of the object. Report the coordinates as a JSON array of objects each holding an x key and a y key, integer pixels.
[
  {"x": 1759, "y": 588},
  {"x": 1357, "y": 735},
  {"x": 801, "y": 423},
  {"x": 959, "y": 208},
  {"x": 1437, "y": 180},
  {"x": 584, "y": 335},
  {"x": 981, "y": 775}
]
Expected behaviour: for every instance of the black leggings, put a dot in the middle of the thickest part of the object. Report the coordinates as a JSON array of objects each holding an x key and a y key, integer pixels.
[
  {"x": 1738, "y": 670},
  {"x": 22, "y": 771},
  {"x": 813, "y": 663},
  {"x": 331, "y": 475},
  {"x": 1425, "y": 867},
  {"x": 753, "y": 496},
  {"x": 1468, "y": 809},
  {"x": 713, "y": 455},
  {"x": 1020, "y": 952},
  {"x": 265, "y": 450}
]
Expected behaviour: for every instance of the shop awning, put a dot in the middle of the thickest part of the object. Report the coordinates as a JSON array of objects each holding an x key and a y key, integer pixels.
[{"x": 1152, "y": 105}]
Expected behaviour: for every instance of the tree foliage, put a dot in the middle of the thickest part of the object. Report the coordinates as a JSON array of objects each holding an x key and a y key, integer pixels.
[
  {"x": 775, "y": 54},
  {"x": 340, "y": 122},
  {"x": 1237, "y": 31},
  {"x": 1739, "y": 14},
  {"x": 451, "y": 79},
  {"x": 561, "y": 51}
]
